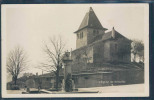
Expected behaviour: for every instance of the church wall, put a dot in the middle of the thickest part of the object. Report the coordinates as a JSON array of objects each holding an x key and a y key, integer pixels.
[
  {"x": 125, "y": 45},
  {"x": 107, "y": 48},
  {"x": 85, "y": 81},
  {"x": 91, "y": 35},
  {"x": 114, "y": 49},
  {"x": 98, "y": 52},
  {"x": 81, "y": 40},
  {"x": 120, "y": 50},
  {"x": 81, "y": 57},
  {"x": 94, "y": 80},
  {"x": 131, "y": 76}
]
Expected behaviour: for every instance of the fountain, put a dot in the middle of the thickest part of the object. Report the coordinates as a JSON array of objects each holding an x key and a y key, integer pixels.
[{"x": 67, "y": 68}]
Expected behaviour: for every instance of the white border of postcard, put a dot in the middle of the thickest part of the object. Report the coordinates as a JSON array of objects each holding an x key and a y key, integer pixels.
[{"x": 146, "y": 76}]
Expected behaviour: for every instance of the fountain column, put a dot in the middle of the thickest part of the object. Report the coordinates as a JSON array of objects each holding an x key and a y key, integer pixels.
[{"x": 67, "y": 61}]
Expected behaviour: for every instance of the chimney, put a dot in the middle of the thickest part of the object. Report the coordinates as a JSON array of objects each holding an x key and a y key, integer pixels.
[{"x": 113, "y": 33}]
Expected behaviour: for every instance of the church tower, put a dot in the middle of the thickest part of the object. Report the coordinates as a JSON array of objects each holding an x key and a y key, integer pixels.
[{"x": 89, "y": 29}]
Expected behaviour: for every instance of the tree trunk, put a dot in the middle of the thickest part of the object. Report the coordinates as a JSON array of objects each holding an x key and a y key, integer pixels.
[
  {"x": 57, "y": 78},
  {"x": 15, "y": 80}
]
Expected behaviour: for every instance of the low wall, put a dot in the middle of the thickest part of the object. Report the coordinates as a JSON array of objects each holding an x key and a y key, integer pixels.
[{"x": 107, "y": 79}]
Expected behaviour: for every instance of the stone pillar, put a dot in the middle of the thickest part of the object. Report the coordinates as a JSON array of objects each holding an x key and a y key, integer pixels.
[
  {"x": 67, "y": 69},
  {"x": 67, "y": 66}
]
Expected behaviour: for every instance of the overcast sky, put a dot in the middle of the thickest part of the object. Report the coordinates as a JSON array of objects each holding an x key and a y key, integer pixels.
[{"x": 30, "y": 25}]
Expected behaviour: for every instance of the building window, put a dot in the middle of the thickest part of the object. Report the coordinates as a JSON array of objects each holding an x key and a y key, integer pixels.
[
  {"x": 81, "y": 35},
  {"x": 78, "y": 36}
]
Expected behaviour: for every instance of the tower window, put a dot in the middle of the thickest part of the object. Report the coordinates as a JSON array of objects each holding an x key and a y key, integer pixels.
[
  {"x": 81, "y": 35},
  {"x": 78, "y": 36}
]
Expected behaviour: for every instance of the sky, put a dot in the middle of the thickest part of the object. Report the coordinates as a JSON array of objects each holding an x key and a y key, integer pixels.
[{"x": 29, "y": 25}]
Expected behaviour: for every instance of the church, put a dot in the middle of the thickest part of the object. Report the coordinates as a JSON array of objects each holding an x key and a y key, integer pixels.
[{"x": 102, "y": 58}]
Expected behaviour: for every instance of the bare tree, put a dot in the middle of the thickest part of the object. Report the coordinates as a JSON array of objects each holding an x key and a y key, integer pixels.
[
  {"x": 138, "y": 49},
  {"x": 16, "y": 63},
  {"x": 54, "y": 51}
]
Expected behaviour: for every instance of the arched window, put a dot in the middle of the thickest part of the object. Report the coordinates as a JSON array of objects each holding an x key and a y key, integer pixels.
[{"x": 81, "y": 35}]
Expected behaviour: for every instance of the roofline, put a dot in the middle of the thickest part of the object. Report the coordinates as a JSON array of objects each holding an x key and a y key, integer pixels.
[
  {"x": 120, "y": 34},
  {"x": 89, "y": 27},
  {"x": 124, "y": 36}
]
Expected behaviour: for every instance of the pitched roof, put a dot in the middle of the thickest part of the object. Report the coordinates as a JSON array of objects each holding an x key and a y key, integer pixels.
[
  {"x": 90, "y": 20},
  {"x": 108, "y": 35}
]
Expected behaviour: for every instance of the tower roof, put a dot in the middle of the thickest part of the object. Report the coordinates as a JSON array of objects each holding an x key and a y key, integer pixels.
[{"x": 90, "y": 20}]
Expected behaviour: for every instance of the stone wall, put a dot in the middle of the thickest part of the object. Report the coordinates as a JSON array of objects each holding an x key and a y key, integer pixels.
[
  {"x": 98, "y": 49},
  {"x": 92, "y": 33},
  {"x": 100, "y": 52},
  {"x": 81, "y": 57},
  {"x": 112, "y": 50},
  {"x": 107, "y": 51},
  {"x": 108, "y": 79},
  {"x": 80, "y": 42},
  {"x": 120, "y": 50}
]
